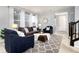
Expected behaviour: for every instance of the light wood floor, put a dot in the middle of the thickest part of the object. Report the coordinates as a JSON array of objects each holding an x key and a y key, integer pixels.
[
  {"x": 65, "y": 45},
  {"x": 2, "y": 48}
]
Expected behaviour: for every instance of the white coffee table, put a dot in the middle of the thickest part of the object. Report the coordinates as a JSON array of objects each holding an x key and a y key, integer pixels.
[{"x": 36, "y": 35}]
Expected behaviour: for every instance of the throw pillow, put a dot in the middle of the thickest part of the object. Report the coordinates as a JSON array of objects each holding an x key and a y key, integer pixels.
[
  {"x": 48, "y": 28},
  {"x": 20, "y": 33},
  {"x": 26, "y": 30}
]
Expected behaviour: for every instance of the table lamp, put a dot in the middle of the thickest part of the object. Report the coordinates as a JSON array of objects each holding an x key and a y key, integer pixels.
[
  {"x": 39, "y": 25},
  {"x": 14, "y": 26}
]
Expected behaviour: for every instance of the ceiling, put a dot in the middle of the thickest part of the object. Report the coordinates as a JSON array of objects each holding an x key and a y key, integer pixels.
[{"x": 43, "y": 9}]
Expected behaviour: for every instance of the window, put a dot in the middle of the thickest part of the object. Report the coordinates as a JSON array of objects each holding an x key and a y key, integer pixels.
[
  {"x": 17, "y": 17},
  {"x": 26, "y": 19}
]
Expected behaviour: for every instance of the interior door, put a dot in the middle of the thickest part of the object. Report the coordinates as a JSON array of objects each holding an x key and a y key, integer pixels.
[{"x": 62, "y": 23}]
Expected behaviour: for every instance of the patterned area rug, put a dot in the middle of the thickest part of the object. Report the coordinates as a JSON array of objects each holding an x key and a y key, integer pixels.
[{"x": 50, "y": 46}]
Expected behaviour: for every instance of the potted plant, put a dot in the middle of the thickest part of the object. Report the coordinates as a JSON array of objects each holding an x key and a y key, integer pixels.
[{"x": 2, "y": 33}]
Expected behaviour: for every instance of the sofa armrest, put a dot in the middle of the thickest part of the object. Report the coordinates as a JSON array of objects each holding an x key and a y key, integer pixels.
[{"x": 20, "y": 37}]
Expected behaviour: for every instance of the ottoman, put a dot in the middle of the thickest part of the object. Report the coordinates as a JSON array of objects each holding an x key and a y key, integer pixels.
[{"x": 42, "y": 38}]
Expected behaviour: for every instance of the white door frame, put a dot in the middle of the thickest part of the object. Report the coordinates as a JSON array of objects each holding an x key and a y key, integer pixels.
[{"x": 63, "y": 13}]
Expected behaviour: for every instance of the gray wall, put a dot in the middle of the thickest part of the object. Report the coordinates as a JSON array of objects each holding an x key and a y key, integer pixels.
[
  {"x": 4, "y": 21},
  {"x": 51, "y": 17},
  {"x": 76, "y": 13},
  {"x": 48, "y": 16},
  {"x": 71, "y": 13},
  {"x": 77, "y": 17}
]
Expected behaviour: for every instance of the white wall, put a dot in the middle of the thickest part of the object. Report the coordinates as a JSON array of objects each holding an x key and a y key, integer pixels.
[{"x": 4, "y": 21}]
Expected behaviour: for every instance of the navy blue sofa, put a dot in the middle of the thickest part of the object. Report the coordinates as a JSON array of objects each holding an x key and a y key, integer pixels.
[{"x": 17, "y": 44}]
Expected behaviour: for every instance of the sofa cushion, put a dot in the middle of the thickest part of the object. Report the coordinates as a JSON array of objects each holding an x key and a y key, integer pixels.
[
  {"x": 29, "y": 32},
  {"x": 30, "y": 28}
]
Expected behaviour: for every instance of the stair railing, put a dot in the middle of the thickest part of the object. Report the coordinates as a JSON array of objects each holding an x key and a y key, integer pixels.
[{"x": 73, "y": 32}]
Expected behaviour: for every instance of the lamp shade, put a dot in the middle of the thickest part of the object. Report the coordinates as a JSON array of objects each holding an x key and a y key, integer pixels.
[
  {"x": 14, "y": 25},
  {"x": 39, "y": 25}
]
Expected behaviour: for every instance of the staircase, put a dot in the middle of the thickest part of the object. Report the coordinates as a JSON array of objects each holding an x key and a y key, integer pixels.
[
  {"x": 65, "y": 45},
  {"x": 73, "y": 32},
  {"x": 66, "y": 48}
]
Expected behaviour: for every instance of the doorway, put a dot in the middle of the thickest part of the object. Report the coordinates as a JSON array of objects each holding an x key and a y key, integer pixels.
[{"x": 62, "y": 22}]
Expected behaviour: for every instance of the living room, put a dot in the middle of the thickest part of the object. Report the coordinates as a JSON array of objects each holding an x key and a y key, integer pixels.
[{"x": 42, "y": 27}]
